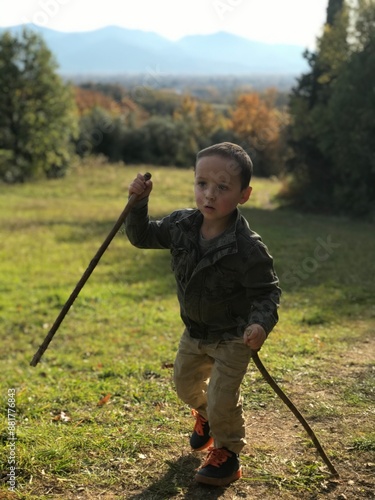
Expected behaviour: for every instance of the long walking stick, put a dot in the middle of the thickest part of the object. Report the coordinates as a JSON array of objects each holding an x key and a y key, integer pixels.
[
  {"x": 294, "y": 410},
  {"x": 39, "y": 353}
]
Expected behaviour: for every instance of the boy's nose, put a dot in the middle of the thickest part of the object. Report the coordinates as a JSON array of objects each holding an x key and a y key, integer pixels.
[{"x": 211, "y": 193}]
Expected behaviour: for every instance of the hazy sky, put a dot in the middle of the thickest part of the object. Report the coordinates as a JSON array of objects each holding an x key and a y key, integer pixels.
[{"x": 282, "y": 21}]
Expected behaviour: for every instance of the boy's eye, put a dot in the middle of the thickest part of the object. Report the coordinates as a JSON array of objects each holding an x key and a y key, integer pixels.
[
  {"x": 223, "y": 187},
  {"x": 201, "y": 183}
]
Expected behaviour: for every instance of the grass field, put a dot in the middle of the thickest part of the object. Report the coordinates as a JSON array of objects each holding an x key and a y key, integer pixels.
[{"x": 98, "y": 417}]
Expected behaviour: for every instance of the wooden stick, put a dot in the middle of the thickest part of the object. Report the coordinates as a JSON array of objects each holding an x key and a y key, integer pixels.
[
  {"x": 295, "y": 411},
  {"x": 42, "y": 348}
]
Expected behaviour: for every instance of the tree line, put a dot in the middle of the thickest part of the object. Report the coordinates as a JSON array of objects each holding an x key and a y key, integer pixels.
[
  {"x": 319, "y": 138},
  {"x": 161, "y": 127},
  {"x": 332, "y": 108}
]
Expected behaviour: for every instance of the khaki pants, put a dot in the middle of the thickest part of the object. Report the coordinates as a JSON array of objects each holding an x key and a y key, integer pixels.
[{"x": 208, "y": 378}]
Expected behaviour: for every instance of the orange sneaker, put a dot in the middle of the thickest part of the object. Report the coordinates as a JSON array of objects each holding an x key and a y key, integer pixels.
[
  {"x": 220, "y": 468},
  {"x": 200, "y": 439}
]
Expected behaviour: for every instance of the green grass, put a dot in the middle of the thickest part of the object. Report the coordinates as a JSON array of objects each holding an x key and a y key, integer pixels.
[{"x": 121, "y": 335}]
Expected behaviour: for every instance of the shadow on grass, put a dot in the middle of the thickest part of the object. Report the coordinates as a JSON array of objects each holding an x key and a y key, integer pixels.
[{"x": 179, "y": 478}]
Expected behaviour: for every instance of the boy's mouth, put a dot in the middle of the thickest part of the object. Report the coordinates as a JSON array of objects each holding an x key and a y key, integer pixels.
[{"x": 209, "y": 207}]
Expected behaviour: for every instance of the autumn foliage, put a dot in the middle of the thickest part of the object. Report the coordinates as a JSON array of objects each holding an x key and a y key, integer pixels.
[
  {"x": 260, "y": 126},
  {"x": 87, "y": 99}
]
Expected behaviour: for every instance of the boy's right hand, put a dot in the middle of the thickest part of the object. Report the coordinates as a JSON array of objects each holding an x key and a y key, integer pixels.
[{"x": 140, "y": 187}]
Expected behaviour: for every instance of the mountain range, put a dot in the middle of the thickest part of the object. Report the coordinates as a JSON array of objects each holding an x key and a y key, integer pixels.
[{"x": 115, "y": 50}]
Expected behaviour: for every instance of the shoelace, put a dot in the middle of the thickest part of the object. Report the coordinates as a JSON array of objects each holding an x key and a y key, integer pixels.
[
  {"x": 200, "y": 421},
  {"x": 216, "y": 457}
]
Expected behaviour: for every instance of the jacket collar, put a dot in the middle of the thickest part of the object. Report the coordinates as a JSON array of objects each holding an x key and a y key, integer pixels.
[{"x": 191, "y": 224}]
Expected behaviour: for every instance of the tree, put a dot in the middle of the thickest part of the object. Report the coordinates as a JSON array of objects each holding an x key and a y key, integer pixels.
[
  {"x": 159, "y": 141},
  {"x": 310, "y": 134},
  {"x": 334, "y": 8},
  {"x": 162, "y": 102},
  {"x": 95, "y": 129},
  {"x": 87, "y": 99},
  {"x": 353, "y": 122},
  {"x": 37, "y": 110},
  {"x": 333, "y": 125},
  {"x": 258, "y": 125},
  {"x": 364, "y": 29},
  {"x": 198, "y": 123}
]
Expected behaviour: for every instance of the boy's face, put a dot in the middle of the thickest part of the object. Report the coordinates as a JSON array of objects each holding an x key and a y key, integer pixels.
[{"x": 217, "y": 187}]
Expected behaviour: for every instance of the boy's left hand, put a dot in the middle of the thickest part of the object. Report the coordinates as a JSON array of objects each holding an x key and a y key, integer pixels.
[{"x": 254, "y": 336}]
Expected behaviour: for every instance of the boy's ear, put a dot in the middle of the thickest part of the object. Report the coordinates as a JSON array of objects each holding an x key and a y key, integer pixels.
[{"x": 245, "y": 195}]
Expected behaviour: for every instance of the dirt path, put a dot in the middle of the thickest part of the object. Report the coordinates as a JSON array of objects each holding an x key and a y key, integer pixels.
[{"x": 280, "y": 437}]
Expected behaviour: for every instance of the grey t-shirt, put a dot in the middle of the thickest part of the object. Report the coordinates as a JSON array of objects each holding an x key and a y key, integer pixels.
[{"x": 205, "y": 245}]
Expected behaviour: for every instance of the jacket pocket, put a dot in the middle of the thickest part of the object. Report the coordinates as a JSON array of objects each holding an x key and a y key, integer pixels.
[{"x": 180, "y": 263}]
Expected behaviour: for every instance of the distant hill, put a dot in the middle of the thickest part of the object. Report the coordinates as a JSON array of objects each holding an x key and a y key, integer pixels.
[{"x": 115, "y": 50}]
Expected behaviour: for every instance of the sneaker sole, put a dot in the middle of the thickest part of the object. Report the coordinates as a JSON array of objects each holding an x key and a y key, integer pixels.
[
  {"x": 218, "y": 481},
  {"x": 205, "y": 446}
]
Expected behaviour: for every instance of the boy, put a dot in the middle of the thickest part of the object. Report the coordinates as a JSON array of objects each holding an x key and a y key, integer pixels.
[{"x": 228, "y": 294}]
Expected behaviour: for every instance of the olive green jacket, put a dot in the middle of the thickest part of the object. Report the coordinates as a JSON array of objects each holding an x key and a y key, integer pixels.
[{"x": 231, "y": 286}]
